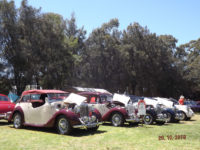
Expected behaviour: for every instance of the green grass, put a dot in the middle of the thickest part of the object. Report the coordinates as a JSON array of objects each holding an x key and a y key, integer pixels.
[{"x": 106, "y": 138}]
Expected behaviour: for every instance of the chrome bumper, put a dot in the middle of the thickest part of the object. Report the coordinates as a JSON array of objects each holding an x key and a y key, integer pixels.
[
  {"x": 178, "y": 116},
  {"x": 133, "y": 120},
  {"x": 2, "y": 116},
  {"x": 89, "y": 125},
  {"x": 161, "y": 117}
]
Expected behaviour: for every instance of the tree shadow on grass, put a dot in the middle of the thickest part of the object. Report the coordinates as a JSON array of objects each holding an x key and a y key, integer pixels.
[
  {"x": 75, "y": 132},
  {"x": 191, "y": 120},
  {"x": 127, "y": 125},
  {"x": 84, "y": 132}
]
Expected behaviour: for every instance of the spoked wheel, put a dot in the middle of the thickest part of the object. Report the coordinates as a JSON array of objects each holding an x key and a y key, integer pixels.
[
  {"x": 63, "y": 125},
  {"x": 148, "y": 119},
  {"x": 117, "y": 120},
  {"x": 183, "y": 116},
  {"x": 169, "y": 118},
  {"x": 17, "y": 121}
]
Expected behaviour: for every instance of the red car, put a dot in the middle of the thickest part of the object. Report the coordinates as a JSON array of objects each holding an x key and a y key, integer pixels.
[
  {"x": 6, "y": 106},
  {"x": 112, "y": 111}
]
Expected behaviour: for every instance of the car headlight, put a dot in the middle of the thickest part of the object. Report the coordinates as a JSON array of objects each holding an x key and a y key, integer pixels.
[
  {"x": 85, "y": 119},
  {"x": 93, "y": 118},
  {"x": 77, "y": 109},
  {"x": 165, "y": 115}
]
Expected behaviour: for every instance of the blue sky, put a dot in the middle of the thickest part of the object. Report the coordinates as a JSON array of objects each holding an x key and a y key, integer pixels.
[{"x": 180, "y": 18}]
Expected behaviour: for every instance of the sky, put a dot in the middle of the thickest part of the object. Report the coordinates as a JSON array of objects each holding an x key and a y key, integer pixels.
[{"x": 179, "y": 18}]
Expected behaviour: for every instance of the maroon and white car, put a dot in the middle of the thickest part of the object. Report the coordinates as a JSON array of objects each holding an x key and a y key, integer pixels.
[
  {"x": 6, "y": 106},
  {"x": 54, "y": 108},
  {"x": 114, "y": 108}
]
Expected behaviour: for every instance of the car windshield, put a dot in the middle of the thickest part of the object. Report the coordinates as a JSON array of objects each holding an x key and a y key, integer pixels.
[
  {"x": 56, "y": 96},
  {"x": 3, "y": 98},
  {"x": 106, "y": 98},
  {"x": 135, "y": 98},
  {"x": 35, "y": 96}
]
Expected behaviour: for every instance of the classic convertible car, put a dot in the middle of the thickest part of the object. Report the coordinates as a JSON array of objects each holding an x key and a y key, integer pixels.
[
  {"x": 54, "y": 108},
  {"x": 6, "y": 106},
  {"x": 115, "y": 109}
]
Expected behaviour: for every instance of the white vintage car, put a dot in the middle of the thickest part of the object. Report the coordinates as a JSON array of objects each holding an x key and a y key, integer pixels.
[
  {"x": 115, "y": 109},
  {"x": 51, "y": 108},
  {"x": 155, "y": 112},
  {"x": 186, "y": 111}
]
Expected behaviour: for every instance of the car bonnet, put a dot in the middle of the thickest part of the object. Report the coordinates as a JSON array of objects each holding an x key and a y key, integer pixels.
[
  {"x": 121, "y": 98},
  {"x": 74, "y": 98}
]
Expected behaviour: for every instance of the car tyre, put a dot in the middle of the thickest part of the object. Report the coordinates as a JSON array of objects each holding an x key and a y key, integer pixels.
[
  {"x": 183, "y": 116},
  {"x": 63, "y": 125},
  {"x": 17, "y": 121},
  {"x": 169, "y": 117},
  {"x": 117, "y": 119},
  {"x": 148, "y": 119}
]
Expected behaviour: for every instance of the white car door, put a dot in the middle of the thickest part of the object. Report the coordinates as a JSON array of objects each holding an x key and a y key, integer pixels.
[{"x": 40, "y": 115}]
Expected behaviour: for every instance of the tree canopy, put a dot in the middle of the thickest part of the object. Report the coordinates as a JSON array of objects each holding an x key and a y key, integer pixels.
[{"x": 49, "y": 50}]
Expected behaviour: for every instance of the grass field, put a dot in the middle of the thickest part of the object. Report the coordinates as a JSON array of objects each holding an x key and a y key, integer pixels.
[{"x": 106, "y": 138}]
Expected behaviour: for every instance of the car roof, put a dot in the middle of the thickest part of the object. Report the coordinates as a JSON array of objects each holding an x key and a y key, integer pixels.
[
  {"x": 3, "y": 95},
  {"x": 94, "y": 93},
  {"x": 42, "y": 92}
]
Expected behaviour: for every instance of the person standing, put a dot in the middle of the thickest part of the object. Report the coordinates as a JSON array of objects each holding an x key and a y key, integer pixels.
[{"x": 181, "y": 100}]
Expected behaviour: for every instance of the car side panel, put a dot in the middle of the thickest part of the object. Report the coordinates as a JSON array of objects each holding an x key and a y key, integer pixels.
[
  {"x": 71, "y": 116},
  {"x": 102, "y": 108},
  {"x": 6, "y": 106},
  {"x": 17, "y": 109},
  {"x": 107, "y": 115}
]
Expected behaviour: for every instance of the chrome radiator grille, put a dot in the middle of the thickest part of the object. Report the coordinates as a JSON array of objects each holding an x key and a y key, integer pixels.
[
  {"x": 131, "y": 110},
  {"x": 84, "y": 110},
  {"x": 158, "y": 109}
]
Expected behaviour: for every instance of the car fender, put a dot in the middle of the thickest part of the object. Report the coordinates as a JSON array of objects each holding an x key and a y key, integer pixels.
[
  {"x": 170, "y": 111},
  {"x": 152, "y": 112},
  {"x": 106, "y": 117},
  {"x": 98, "y": 114},
  {"x": 183, "y": 108},
  {"x": 19, "y": 110},
  {"x": 72, "y": 117}
]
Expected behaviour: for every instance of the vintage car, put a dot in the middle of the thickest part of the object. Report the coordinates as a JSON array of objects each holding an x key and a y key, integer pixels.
[
  {"x": 193, "y": 105},
  {"x": 154, "y": 112},
  {"x": 174, "y": 115},
  {"x": 54, "y": 108},
  {"x": 6, "y": 106},
  {"x": 186, "y": 111},
  {"x": 115, "y": 109}
]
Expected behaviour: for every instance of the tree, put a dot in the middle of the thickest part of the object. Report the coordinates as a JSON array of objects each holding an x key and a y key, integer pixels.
[
  {"x": 191, "y": 69},
  {"x": 9, "y": 42},
  {"x": 101, "y": 58}
]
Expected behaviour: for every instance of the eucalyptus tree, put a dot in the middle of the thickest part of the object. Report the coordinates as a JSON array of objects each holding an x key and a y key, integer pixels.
[
  {"x": 11, "y": 47},
  {"x": 101, "y": 58}
]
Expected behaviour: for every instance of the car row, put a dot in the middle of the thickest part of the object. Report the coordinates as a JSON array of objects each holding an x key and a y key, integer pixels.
[{"x": 88, "y": 108}]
